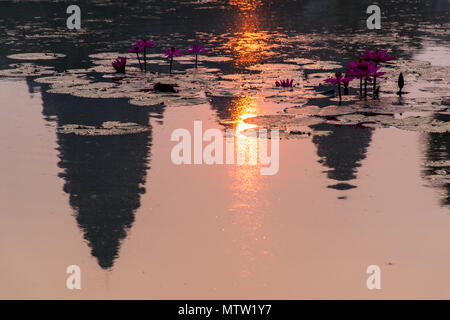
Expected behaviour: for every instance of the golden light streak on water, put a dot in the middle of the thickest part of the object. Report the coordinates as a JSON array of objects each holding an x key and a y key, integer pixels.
[
  {"x": 246, "y": 146},
  {"x": 247, "y": 42},
  {"x": 246, "y": 210}
]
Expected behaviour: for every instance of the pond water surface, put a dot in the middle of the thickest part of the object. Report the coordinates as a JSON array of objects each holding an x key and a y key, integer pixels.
[{"x": 142, "y": 227}]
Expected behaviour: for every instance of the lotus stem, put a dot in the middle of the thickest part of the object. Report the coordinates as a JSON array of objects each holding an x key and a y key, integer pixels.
[
  {"x": 360, "y": 88},
  {"x": 365, "y": 88},
  {"x": 340, "y": 96},
  {"x": 374, "y": 83},
  {"x": 139, "y": 59},
  {"x": 374, "y": 86},
  {"x": 145, "y": 59}
]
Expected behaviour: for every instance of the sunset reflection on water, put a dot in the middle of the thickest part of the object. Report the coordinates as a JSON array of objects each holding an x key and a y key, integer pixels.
[
  {"x": 247, "y": 207},
  {"x": 140, "y": 226},
  {"x": 248, "y": 45},
  {"x": 247, "y": 41}
]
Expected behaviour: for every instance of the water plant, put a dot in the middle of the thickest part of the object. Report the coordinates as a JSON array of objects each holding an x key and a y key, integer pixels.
[
  {"x": 196, "y": 49},
  {"x": 119, "y": 64},
  {"x": 143, "y": 45},
  {"x": 345, "y": 83},
  {"x": 401, "y": 84},
  {"x": 355, "y": 69},
  {"x": 170, "y": 54},
  {"x": 373, "y": 72},
  {"x": 136, "y": 49},
  {"x": 285, "y": 83},
  {"x": 363, "y": 70},
  {"x": 339, "y": 78},
  {"x": 377, "y": 57}
]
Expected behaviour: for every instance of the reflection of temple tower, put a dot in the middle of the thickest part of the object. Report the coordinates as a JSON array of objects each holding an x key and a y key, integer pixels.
[
  {"x": 104, "y": 178},
  {"x": 438, "y": 150},
  {"x": 104, "y": 175},
  {"x": 342, "y": 150}
]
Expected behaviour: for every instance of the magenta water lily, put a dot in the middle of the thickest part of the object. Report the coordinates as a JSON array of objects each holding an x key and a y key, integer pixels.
[
  {"x": 363, "y": 70},
  {"x": 136, "y": 49},
  {"x": 143, "y": 45},
  {"x": 196, "y": 49},
  {"x": 377, "y": 57},
  {"x": 119, "y": 64},
  {"x": 337, "y": 80},
  {"x": 170, "y": 54},
  {"x": 285, "y": 83}
]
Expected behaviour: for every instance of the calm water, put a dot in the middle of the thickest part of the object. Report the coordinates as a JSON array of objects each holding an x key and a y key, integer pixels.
[{"x": 141, "y": 227}]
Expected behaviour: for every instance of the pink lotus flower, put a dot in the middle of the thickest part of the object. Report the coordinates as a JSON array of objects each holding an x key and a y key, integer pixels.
[
  {"x": 170, "y": 54},
  {"x": 119, "y": 64},
  {"x": 136, "y": 49},
  {"x": 285, "y": 83},
  {"x": 143, "y": 45},
  {"x": 196, "y": 49},
  {"x": 379, "y": 56},
  {"x": 364, "y": 70},
  {"x": 359, "y": 69},
  {"x": 339, "y": 78}
]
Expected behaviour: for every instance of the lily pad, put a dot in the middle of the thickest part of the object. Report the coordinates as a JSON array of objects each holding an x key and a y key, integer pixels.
[
  {"x": 36, "y": 56},
  {"x": 26, "y": 70},
  {"x": 106, "y": 129}
]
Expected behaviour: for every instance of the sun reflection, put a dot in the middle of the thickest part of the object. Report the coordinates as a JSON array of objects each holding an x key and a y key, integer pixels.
[
  {"x": 246, "y": 5},
  {"x": 248, "y": 43},
  {"x": 248, "y": 206},
  {"x": 246, "y": 146},
  {"x": 243, "y": 108}
]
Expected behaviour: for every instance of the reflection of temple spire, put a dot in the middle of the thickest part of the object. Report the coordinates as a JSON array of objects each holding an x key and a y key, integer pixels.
[
  {"x": 104, "y": 178},
  {"x": 342, "y": 151},
  {"x": 439, "y": 150},
  {"x": 104, "y": 175}
]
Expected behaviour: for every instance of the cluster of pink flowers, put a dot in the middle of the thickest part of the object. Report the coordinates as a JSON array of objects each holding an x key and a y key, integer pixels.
[
  {"x": 363, "y": 70},
  {"x": 142, "y": 45},
  {"x": 366, "y": 68}
]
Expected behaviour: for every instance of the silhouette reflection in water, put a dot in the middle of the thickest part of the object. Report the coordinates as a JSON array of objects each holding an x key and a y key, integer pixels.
[
  {"x": 342, "y": 151},
  {"x": 104, "y": 175},
  {"x": 439, "y": 150}
]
